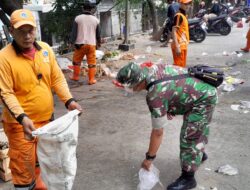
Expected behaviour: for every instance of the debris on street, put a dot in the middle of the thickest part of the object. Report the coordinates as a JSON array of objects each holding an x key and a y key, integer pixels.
[{"x": 227, "y": 170}]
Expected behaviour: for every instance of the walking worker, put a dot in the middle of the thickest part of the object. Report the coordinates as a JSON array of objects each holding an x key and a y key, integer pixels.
[
  {"x": 180, "y": 34},
  {"x": 28, "y": 74},
  {"x": 86, "y": 37},
  {"x": 247, "y": 48},
  {"x": 190, "y": 97}
]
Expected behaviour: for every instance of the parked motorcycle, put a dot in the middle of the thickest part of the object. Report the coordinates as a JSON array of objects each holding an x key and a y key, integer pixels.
[
  {"x": 166, "y": 30},
  {"x": 197, "y": 30},
  {"x": 221, "y": 24}
]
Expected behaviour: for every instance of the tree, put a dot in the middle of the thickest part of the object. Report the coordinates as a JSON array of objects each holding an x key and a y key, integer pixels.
[
  {"x": 56, "y": 21},
  {"x": 153, "y": 12},
  {"x": 8, "y": 6}
]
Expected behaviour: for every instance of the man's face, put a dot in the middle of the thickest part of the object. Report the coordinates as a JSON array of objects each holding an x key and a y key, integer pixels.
[
  {"x": 24, "y": 36},
  {"x": 185, "y": 6}
]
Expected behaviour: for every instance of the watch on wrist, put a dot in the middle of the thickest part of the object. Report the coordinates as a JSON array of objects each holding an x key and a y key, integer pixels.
[{"x": 149, "y": 157}]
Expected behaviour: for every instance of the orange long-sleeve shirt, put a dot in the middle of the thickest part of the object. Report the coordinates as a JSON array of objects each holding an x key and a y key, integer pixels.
[{"x": 26, "y": 85}]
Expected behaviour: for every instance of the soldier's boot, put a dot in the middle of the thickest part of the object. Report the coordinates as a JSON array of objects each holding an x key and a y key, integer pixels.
[
  {"x": 39, "y": 182},
  {"x": 184, "y": 182},
  {"x": 91, "y": 74},
  {"x": 247, "y": 48},
  {"x": 204, "y": 157},
  {"x": 76, "y": 73}
]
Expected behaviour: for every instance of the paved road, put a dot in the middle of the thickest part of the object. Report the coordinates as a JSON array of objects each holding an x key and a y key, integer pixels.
[{"x": 114, "y": 130}]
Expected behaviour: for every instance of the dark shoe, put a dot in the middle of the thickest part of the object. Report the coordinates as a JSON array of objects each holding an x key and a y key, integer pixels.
[
  {"x": 183, "y": 184},
  {"x": 204, "y": 157}
]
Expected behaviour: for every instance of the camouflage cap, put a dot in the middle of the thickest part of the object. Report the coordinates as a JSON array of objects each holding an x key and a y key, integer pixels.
[{"x": 131, "y": 75}]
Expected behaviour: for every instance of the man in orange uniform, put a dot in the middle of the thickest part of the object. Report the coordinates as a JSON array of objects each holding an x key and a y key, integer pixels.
[
  {"x": 28, "y": 74},
  {"x": 85, "y": 36},
  {"x": 247, "y": 48},
  {"x": 180, "y": 33}
]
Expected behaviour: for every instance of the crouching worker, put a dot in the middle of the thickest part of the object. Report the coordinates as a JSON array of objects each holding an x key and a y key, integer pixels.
[
  {"x": 190, "y": 97},
  {"x": 28, "y": 74}
]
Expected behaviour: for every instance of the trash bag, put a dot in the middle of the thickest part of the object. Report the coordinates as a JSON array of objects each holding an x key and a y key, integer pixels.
[
  {"x": 56, "y": 151},
  {"x": 227, "y": 170},
  {"x": 148, "y": 179}
]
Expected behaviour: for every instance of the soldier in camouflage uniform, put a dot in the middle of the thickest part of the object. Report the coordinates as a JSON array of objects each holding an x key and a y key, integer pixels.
[{"x": 190, "y": 97}]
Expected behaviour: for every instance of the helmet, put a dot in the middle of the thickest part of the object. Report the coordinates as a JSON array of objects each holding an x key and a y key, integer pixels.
[
  {"x": 131, "y": 74},
  {"x": 185, "y": 1}
]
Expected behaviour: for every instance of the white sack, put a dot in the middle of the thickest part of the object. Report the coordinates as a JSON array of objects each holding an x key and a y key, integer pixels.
[{"x": 56, "y": 151}]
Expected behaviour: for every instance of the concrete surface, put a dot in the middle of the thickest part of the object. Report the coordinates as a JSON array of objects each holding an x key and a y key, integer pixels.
[{"x": 115, "y": 128}]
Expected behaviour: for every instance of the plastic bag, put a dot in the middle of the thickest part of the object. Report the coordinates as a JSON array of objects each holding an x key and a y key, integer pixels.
[
  {"x": 56, "y": 151},
  {"x": 227, "y": 170},
  {"x": 148, "y": 179}
]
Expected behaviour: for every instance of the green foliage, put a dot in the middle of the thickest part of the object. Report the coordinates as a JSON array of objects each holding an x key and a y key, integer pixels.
[{"x": 59, "y": 21}]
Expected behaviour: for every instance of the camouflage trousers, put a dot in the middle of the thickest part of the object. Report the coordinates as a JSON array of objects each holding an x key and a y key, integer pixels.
[{"x": 194, "y": 133}]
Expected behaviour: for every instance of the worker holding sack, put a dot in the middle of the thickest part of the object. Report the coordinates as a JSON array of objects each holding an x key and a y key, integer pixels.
[
  {"x": 28, "y": 74},
  {"x": 190, "y": 97}
]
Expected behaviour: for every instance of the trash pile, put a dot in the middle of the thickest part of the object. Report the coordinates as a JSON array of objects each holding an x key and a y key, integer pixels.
[
  {"x": 243, "y": 107},
  {"x": 230, "y": 83}
]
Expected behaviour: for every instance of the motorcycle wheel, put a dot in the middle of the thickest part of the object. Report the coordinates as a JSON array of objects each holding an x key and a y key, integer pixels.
[
  {"x": 163, "y": 38},
  {"x": 225, "y": 29},
  {"x": 199, "y": 35}
]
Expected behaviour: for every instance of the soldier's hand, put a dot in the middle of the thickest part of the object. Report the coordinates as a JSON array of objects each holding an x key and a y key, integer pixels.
[
  {"x": 146, "y": 164},
  {"x": 28, "y": 127}
]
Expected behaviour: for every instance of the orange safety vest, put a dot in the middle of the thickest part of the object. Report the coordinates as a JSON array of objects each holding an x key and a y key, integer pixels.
[{"x": 182, "y": 32}]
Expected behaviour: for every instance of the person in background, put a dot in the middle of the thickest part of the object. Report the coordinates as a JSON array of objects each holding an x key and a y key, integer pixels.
[
  {"x": 180, "y": 33},
  {"x": 202, "y": 5},
  {"x": 173, "y": 8},
  {"x": 28, "y": 75},
  {"x": 190, "y": 97},
  {"x": 247, "y": 48},
  {"x": 86, "y": 38},
  {"x": 214, "y": 12}
]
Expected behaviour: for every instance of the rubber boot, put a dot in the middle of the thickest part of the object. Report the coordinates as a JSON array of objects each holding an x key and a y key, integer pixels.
[
  {"x": 39, "y": 182},
  {"x": 184, "y": 182},
  {"x": 91, "y": 74},
  {"x": 76, "y": 73},
  {"x": 247, "y": 48}
]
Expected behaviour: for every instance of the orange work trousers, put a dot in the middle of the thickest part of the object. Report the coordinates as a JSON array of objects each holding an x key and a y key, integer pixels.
[
  {"x": 81, "y": 51},
  {"x": 180, "y": 60},
  {"x": 23, "y": 156},
  {"x": 248, "y": 34}
]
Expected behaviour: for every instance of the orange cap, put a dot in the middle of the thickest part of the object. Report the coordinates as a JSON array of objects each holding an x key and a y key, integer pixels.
[
  {"x": 21, "y": 17},
  {"x": 185, "y": 1}
]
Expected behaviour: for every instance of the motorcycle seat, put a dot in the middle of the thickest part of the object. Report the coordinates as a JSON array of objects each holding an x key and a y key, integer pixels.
[
  {"x": 217, "y": 18},
  {"x": 193, "y": 21}
]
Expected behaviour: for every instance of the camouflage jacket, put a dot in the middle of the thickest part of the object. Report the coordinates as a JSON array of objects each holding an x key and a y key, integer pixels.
[{"x": 176, "y": 96}]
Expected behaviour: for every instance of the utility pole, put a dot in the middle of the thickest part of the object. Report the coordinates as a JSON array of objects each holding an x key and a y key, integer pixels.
[{"x": 126, "y": 45}]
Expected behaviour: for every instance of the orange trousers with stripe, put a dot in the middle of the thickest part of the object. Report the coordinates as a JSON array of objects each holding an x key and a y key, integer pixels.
[{"x": 23, "y": 156}]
